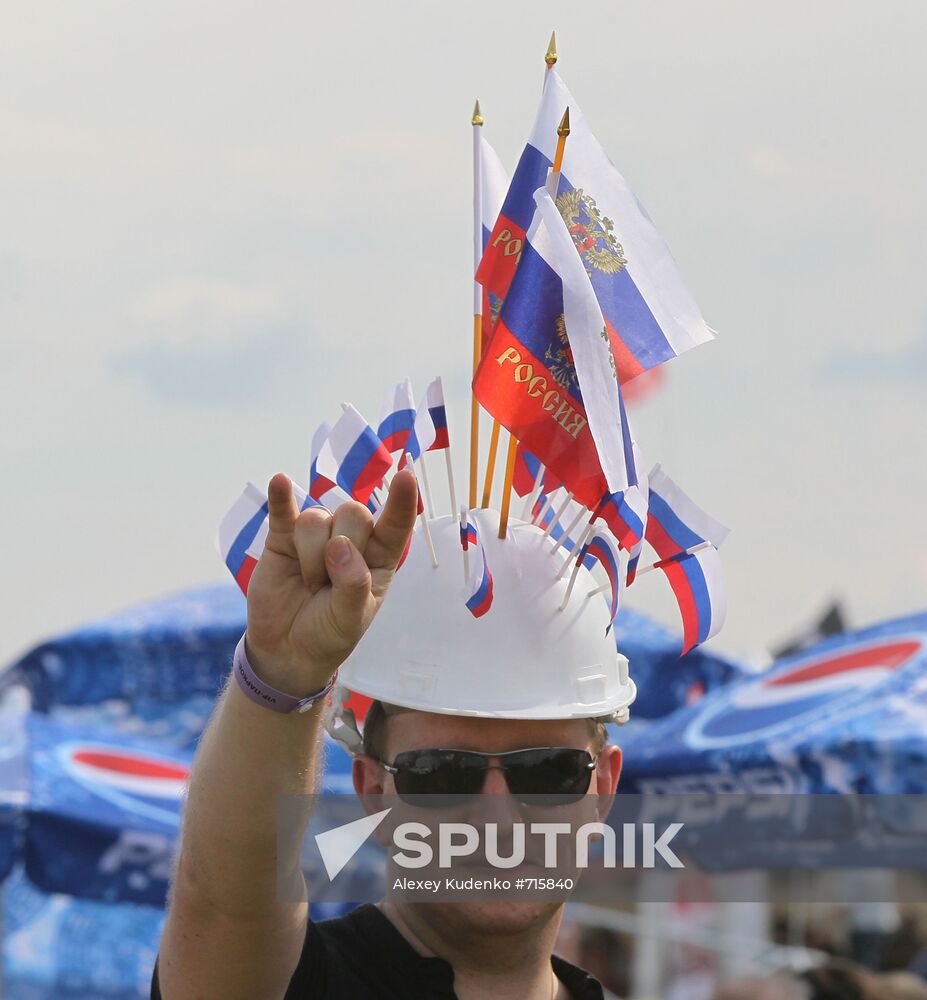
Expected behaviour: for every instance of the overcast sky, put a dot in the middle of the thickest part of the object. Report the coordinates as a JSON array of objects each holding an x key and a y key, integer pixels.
[{"x": 218, "y": 221}]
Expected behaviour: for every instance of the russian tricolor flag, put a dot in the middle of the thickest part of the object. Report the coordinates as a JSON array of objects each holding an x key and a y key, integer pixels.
[
  {"x": 398, "y": 421},
  {"x": 548, "y": 375},
  {"x": 243, "y": 531},
  {"x": 322, "y": 490},
  {"x": 353, "y": 456},
  {"x": 431, "y": 431},
  {"x": 625, "y": 513},
  {"x": 479, "y": 587},
  {"x": 526, "y": 472},
  {"x": 602, "y": 549},
  {"x": 698, "y": 586},
  {"x": 650, "y": 316},
  {"x": 675, "y": 523}
]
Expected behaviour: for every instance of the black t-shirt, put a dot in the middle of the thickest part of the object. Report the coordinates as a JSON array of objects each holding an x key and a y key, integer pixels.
[{"x": 363, "y": 957}]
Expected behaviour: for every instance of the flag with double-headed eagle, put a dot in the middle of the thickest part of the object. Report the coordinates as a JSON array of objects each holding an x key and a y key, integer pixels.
[
  {"x": 548, "y": 374},
  {"x": 649, "y": 313}
]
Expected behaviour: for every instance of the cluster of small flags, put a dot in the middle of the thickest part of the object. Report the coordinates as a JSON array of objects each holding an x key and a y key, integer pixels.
[{"x": 348, "y": 461}]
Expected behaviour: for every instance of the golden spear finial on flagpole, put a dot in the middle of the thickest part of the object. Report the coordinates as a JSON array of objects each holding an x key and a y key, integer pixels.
[
  {"x": 477, "y": 118},
  {"x": 550, "y": 57},
  {"x": 563, "y": 130}
]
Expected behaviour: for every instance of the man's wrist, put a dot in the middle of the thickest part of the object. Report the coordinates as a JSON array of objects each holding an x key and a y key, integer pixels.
[{"x": 260, "y": 684}]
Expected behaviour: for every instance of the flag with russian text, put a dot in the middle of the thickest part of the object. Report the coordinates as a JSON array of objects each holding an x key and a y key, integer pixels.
[
  {"x": 547, "y": 374},
  {"x": 479, "y": 593},
  {"x": 650, "y": 315},
  {"x": 353, "y": 456},
  {"x": 603, "y": 549},
  {"x": 698, "y": 586},
  {"x": 243, "y": 531},
  {"x": 675, "y": 523}
]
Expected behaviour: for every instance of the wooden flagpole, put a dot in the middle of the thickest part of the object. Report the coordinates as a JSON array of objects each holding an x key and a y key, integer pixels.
[
  {"x": 477, "y": 122},
  {"x": 563, "y": 130},
  {"x": 491, "y": 462}
]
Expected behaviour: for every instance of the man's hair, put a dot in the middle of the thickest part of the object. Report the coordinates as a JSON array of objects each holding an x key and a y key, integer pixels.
[{"x": 374, "y": 735}]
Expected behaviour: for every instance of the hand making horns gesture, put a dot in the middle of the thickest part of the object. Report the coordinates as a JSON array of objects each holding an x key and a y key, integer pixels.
[{"x": 320, "y": 581}]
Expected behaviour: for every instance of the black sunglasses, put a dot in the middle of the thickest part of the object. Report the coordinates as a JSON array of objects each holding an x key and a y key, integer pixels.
[{"x": 539, "y": 775}]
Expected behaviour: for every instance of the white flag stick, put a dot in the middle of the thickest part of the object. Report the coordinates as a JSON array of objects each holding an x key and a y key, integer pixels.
[
  {"x": 676, "y": 558},
  {"x": 570, "y": 529},
  {"x": 533, "y": 494},
  {"x": 428, "y": 500},
  {"x": 557, "y": 514},
  {"x": 542, "y": 513},
  {"x": 571, "y": 584},
  {"x": 466, "y": 550},
  {"x": 656, "y": 565},
  {"x": 450, "y": 477},
  {"x": 426, "y": 531},
  {"x": 575, "y": 553}
]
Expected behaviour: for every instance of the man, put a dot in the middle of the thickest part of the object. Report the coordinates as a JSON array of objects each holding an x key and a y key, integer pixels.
[{"x": 315, "y": 591}]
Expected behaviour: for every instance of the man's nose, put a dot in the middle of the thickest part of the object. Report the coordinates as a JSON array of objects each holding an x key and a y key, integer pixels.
[{"x": 495, "y": 783}]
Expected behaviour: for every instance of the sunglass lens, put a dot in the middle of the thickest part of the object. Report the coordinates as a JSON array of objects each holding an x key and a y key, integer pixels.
[
  {"x": 444, "y": 773},
  {"x": 558, "y": 775}
]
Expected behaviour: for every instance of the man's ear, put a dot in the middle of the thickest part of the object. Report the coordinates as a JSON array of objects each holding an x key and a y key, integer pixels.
[
  {"x": 607, "y": 773},
  {"x": 368, "y": 776}
]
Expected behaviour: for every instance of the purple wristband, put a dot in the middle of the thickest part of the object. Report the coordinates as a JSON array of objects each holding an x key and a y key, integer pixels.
[{"x": 263, "y": 694}]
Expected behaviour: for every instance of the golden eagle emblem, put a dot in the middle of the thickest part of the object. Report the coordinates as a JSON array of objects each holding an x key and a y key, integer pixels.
[
  {"x": 559, "y": 359},
  {"x": 592, "y": 233}
]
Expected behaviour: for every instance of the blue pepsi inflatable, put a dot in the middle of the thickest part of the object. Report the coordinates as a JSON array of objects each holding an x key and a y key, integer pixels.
[{"x": 847, "y": 716}]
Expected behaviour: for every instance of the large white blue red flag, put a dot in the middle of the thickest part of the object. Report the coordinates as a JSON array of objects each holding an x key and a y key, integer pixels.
[
  {"x": 243, "y": 531},
  {"x": 493, "y": 182},
  {"x": 479, "y": 592},
  {"x": 603, "y": 549},
  {"x": 675, "y": 523},
  {"x": 353, "y": 456},
  {"x": 698, "y": 586},
  {"x": 650, "y": 315},
  {"x": 547, "y": 374},
  {"x": 398, "y": 422}
]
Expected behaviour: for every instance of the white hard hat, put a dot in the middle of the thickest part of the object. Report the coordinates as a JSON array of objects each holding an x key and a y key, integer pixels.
[{"x": 523, "y": 659}]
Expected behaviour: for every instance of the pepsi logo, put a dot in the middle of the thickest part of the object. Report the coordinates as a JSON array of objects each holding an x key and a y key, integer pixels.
[
  {"x": 795, "y": 693},
  {"x": 142, "y": 783}
]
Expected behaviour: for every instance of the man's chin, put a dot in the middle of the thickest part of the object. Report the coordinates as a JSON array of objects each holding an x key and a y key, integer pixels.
[{"x": 494, "y": 916}]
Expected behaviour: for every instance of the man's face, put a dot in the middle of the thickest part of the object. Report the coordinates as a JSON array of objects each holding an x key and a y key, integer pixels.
[{"x": 413, "y": 730}]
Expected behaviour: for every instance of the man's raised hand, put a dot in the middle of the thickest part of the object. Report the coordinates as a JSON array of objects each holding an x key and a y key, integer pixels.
[{"x": 320, "y": 581}]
